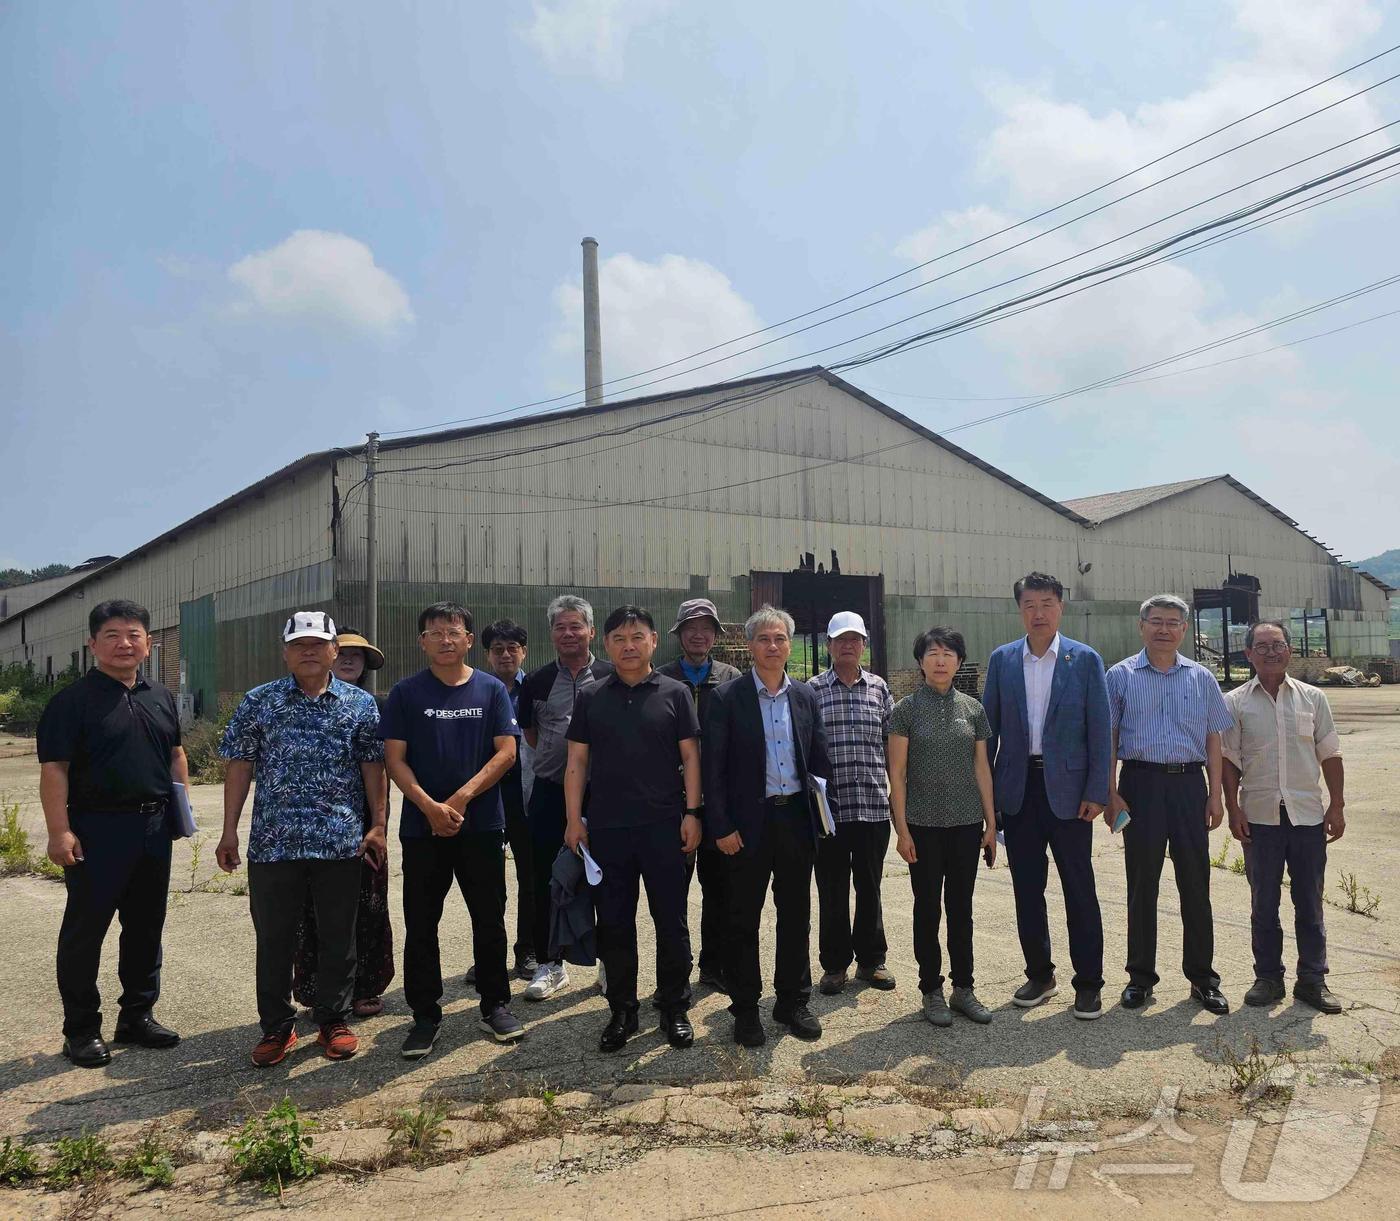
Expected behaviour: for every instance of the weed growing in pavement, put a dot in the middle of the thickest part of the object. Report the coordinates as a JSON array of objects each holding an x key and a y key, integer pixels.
[
  {"x": 1221, "y": 856},
  {"x": 1252, "y": 1073},
  {"x": 415, "y": 1135},
  {"x": 1237, "y": 866},
  {"x": 16, "y": 856},
  {"x": 1358, "y": 898},
  {"x": 18, "y": 1163},
  {"x": 810, "y": 1103},
  {"x": 79, "y": 1159},
  {"x": 274, "y": 1148},
  {"x": 150, "y": 1162}
]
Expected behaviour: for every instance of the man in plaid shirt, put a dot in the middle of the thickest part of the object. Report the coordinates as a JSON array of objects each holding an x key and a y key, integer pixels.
[{"x": 855, "y": 707}]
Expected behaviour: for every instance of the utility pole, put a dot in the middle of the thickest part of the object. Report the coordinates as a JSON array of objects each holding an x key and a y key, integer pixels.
[
  {"x": 592, "y": 327},
  {"x": 371, "y": 548}
]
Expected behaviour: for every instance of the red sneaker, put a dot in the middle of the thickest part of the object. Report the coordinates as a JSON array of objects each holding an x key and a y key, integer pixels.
[
  {"x": 273, "y": 1048},
  {"x": 338, "y": 1042}
]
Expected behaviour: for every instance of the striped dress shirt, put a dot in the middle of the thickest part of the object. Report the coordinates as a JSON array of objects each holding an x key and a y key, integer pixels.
[
  {"x": 857, "y": 721},
  {"x": 1165, "y": 717}
]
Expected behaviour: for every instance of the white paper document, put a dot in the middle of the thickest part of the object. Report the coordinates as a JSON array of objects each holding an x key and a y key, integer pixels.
[{"x": 828, "y": 823}]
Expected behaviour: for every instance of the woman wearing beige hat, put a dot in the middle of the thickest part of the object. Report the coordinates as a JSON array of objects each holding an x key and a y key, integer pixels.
[{"x": 374, "y": 939}]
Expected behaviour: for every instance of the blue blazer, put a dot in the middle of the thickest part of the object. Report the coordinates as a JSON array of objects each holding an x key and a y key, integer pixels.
[{"x": 1076, "y": 740}]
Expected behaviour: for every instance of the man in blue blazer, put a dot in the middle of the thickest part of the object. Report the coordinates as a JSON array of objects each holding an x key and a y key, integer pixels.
[
  {"x": 764, "y": 740},
  {"x": 1051, "y": 750}
]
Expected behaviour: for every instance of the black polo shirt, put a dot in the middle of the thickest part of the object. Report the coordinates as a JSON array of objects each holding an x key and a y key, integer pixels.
[
  {"x": 634, "y": 736},
  {"x": 116, "y": 741}
]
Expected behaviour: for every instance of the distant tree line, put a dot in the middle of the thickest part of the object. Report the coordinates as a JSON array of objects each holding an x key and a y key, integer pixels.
[{"x": 22, "y": 576}]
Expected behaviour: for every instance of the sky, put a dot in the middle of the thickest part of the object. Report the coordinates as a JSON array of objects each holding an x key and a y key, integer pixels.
[{"x": 236, "y": 233}]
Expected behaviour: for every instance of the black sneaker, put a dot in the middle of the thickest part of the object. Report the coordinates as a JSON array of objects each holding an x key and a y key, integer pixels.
[
  {"x": 748, "y": 1029},
  {"x": 502, "y": 1025},
  {"x": 1034, "y": 992},
  {"x": 1088, "y": 1004},
  {"x": 1263, "y": 992},
  {"x": 420, "y": 1041},
  {"x": 800, "y": 1021},
  {"x": 525, "y": 966}
]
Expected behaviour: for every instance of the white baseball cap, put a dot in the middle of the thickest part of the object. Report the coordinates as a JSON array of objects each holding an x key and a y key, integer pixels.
[
  {"x": 843, "y": 622},
  {"x": 316, "y": 625}
]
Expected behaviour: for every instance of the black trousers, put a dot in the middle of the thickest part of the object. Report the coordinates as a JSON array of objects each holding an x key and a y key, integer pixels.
[
  {"x": 1304, "y": 851},
  {"x": 855, "y": 854},
  {"x": 629, "y": 856},
  {"x": 712, "y": 867},
  {"x": 1168, "y": 807},
  {"x": 1029, "y": 832},
  {"x": 946, "y": 868},
  {"x": 547, "y": 821},
  {"x": 125, "y": 872},
  {"x": 277, "y": 892},
  {"x": 784, "y": 858},
  {"x": 477, "y": 860},
  {"x": 522, "y": 850}
]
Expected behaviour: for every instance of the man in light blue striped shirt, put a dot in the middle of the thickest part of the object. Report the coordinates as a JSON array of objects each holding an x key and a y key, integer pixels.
[{"x": 1168, "y": 715}]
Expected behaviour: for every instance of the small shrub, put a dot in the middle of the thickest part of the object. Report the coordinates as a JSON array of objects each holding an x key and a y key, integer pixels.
[
  {"x": 16, "y": 856},
  {"x": 275, "y": 1148},
  {"x": 149, "y": 1162},
  {"x": 18, "y": 1163},
  {"x": 79, "y": 1159},
  {"x": 1357, "y": 898},
  {"x": 415, "y": 1135},
  {"x": 1252, "y": 1074},
  {"x": 201, "y": 743}
]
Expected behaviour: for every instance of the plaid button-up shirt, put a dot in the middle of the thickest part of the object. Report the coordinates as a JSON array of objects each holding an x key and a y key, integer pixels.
[{"x": 857, "y": 720}]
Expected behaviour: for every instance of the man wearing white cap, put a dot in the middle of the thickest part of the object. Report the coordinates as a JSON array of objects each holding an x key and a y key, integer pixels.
[
  {"x": 856, "y": 707},
  {"x": 310, "y": 740}
]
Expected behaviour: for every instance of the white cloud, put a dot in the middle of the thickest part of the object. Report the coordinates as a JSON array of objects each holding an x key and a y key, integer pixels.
[
  {"x": 1308, "y": 33},
  {"x": 326, "y": 278},
  {"x": 590, "y": 35},
  {"x": 657, "y": 312}
]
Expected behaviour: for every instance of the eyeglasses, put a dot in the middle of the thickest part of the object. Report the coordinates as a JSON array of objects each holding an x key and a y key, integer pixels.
[
  {"x": 503, "y": 650},
  {"x": 437, "y": 637},
  {"x": 1274, "y": 647},
  {"x": 1174, "y": 625}
]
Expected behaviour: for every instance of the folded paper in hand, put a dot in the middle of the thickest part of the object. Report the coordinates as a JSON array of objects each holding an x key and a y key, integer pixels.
[{"x": 827, "y": 824}]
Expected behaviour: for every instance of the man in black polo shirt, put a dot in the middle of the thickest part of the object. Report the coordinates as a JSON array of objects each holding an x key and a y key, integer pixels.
[
  {"x": 109, "y": 748},
  {"x": 634, "y": 746}
]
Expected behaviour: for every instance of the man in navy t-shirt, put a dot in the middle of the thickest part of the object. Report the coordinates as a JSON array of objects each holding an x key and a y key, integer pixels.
[{"x": 449, "y": 737}]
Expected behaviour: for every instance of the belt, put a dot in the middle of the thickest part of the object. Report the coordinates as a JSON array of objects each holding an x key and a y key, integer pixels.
[
  {"x": 1035, "y": 761},
  {"x": 782, "y": 799},
  {"x": 141, "y": 807},
  {"x": 1142, "y": 765}
]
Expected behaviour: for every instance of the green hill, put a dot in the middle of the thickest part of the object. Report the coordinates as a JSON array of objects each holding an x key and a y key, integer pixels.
[{"x": 1386, "y": 566}]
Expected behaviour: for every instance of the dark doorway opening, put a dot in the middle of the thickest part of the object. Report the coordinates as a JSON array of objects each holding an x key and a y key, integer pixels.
[
  {"x": 1235, "y": 605},
  {"x": 811, "y": 595}
]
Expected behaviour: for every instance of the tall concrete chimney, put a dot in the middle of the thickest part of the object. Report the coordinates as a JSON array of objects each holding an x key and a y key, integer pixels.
[{"x": 592, "y": 326}]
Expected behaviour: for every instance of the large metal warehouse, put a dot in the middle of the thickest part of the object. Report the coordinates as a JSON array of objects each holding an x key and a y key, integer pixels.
[{"x": 797, "y": 489}]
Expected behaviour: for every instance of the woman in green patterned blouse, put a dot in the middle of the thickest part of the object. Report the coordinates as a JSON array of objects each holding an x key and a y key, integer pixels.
[{"x": 941, "y": 800}]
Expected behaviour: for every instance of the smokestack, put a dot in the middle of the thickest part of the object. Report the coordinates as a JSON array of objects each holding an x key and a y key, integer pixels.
[{"x": 592, "y": 327}]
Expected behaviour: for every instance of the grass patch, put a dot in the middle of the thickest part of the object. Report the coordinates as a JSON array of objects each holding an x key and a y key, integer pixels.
[
  {"x": 151, "y": 1162},
  {"x": 18, "y": 1163},
  {"x": 274, "y": 1148},
  {"x": 415, "y": 1135},
  {"x": 79, "y": 1159},
  {"x": 1355, "y": 897}
]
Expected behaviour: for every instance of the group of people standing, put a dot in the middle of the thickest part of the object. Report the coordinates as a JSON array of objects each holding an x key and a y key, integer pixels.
[{"x": 750, "y": 781}]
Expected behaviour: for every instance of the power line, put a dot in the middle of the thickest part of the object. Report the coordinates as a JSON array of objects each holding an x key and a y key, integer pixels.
[{"x": 980, "y": 241}]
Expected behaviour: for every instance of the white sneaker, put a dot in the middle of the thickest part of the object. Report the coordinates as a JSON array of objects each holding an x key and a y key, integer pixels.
[
  {"x": 602, "y": 979},
  {"x": 549, "y": 978}
]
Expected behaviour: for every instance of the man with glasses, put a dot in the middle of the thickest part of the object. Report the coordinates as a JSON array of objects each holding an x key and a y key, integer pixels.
[
  {"x": 1281, "y": 745},
  {"x": 449, "y": 739},
  {"x": 505, "y": 644},
  {"x": 1167, "y": 715},
  {"x": 547, "y": 700}
]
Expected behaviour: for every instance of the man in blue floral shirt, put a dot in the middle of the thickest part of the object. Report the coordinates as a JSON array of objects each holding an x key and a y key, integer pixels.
[{"x": 311, "y": 742}]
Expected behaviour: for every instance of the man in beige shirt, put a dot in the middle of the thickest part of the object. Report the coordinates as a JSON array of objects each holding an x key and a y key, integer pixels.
[{"x": 1282, "y": 744}]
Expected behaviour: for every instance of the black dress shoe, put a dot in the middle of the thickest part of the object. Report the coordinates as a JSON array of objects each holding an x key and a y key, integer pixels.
[
  {"x": 1212, "y": 999},
  {"x": 87, "y": 1051},
  {"x": 677, "y": 1028},
  {"x": 145, "y": 1031},
  {"x": 1135, "y": 996},
  {"x": 748, "y": 1029},
  {"x": 1316, "y": 994},
  {"x": 800, "y": 1021},
  {"x": 621, "y": 1027}
]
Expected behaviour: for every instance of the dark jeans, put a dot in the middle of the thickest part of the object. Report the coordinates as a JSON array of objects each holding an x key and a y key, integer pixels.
[
  {"x": 784, "y": 856},
  {"x": 946, "y": 865},
  {"x": 478, "y": 861},
  {"x": 522, "y": 850},
  {"x": 1029, "y": 832},
  {"x": 712, "y": 866},
  {"x": 547, "y": 820},
  {"x": 277, "y": 892},
  {"x": 856, "y": 853},
  {"x": 125, "y": 872},
  {"x": 1168, "y": 807},
  {"x": 1304, "y": 851},
  {"x": 629, "y": 856}
]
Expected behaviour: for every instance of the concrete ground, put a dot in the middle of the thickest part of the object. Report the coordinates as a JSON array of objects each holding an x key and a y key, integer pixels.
[{"x": 1116, "y": 1066}]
